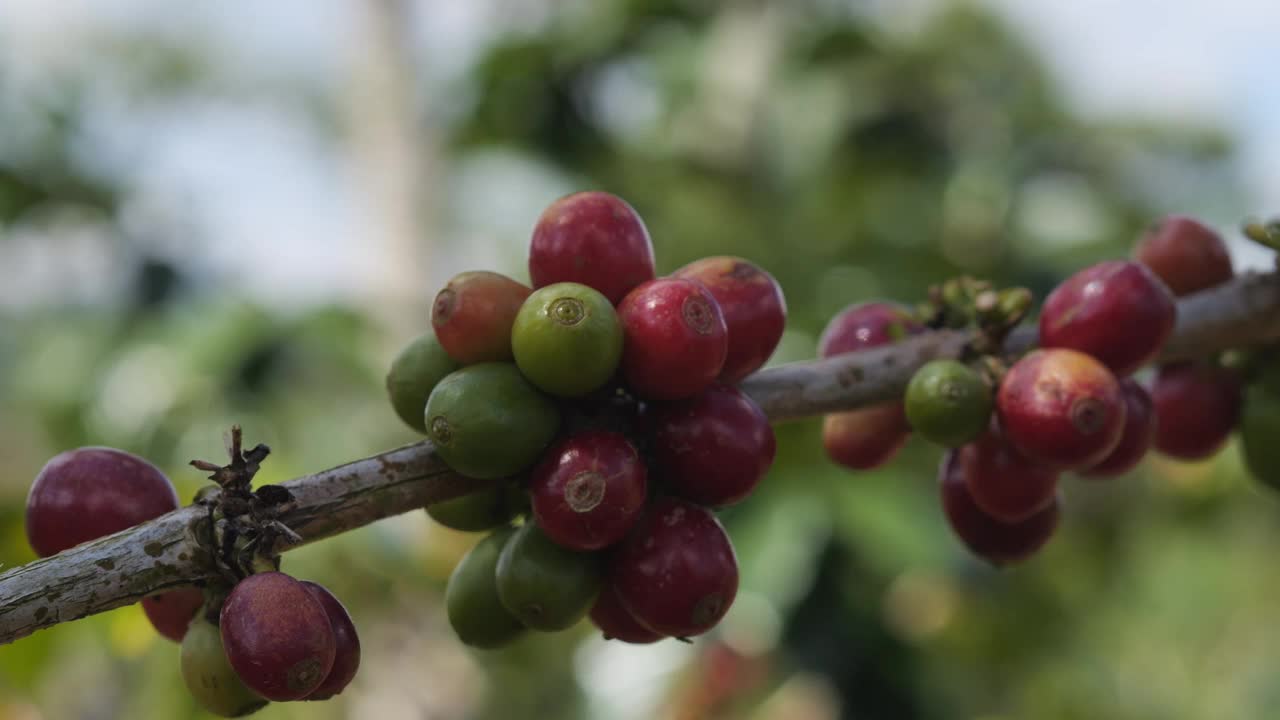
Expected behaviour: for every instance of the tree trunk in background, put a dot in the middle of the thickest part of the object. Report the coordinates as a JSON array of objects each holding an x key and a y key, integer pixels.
[{"x": 392, "y": 151}]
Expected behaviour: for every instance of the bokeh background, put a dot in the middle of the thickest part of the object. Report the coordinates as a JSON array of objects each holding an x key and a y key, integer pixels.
[{"x": 238, "y": 212}]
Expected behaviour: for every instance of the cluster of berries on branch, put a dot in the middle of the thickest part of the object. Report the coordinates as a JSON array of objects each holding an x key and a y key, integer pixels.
[
  {"x": 253, "y": 636},
  {"x": 598, "y": 413},
  {"x": 601, "y": 406},
  {"x": 1012, "y": 425}
]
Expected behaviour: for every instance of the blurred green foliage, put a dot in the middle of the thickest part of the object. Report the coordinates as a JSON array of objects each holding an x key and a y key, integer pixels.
[{"x": 853, "y": 162}]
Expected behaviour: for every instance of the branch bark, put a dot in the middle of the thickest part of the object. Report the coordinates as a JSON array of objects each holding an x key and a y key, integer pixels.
[
  {"x": 163, "y": 554},
  {"x": 1243, "y": 312}
]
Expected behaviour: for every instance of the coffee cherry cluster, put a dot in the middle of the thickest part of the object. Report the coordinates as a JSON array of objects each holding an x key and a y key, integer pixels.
[
  {"x": 1012, "y": 426},
  {"x": 285, "y": 640},
  {"x": 273, "y": 638},
  {"x": 602, "y": 404}
]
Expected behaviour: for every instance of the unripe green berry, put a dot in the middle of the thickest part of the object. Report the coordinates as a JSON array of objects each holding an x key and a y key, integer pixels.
[
  {"x": 471, "y": 597},
  {"x": 488, "y": 422},
  {"x": 948, "y": 403},
  {"x": 483, "y": 510},
  {"x": 567, "y": 339},
  {"x": 414, "y": 374},
  {"x": 209, "y": 676}
]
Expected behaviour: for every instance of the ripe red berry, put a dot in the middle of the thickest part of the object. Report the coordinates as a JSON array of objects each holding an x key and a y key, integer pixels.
[
  {"x": 998, "y": 542},
  {"x": 82, "y": 495},
  {"x": 473, "y": 315},
  {"x": 616, "y": 623},
  {"x": 1185, "y": 254},
  {"x": 589, "y": 490},
  {"x": 676, "y": 573},
  {"x": 1061, "y": 408},
  {"x": 866, "y": 325},
  {"x": 755, "y": 311},
  {"x": 1139, "y": 432},
  {"x": 1116, "y": 311},
  {"x": 592, "y": 238},
  {"x": 867, "y": 438},
  {"x": 675, "y": 339},
  {"x": 346, "y": 658},
  {"x": 1001, "y": 482},
  {"x": 715, "y": 448},
  {"x": 1196, "y": 406},
  {"x": 278, "y": 636},
  {"x": 170, "y": 612}
]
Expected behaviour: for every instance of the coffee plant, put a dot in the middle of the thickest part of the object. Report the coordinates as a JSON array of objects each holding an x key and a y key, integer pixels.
[{"x": 593, "y": 424}]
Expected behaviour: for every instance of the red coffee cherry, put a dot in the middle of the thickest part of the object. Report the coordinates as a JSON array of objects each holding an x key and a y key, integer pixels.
[
  {"x": 867, "y": 438},
  {"x": 1139, "y": 432},
  {"x": 170, "y": 612},
  {"x": 866, "y": 325},
  {"x": 82, "y": 495},
  {"x": 278, "y": 636},
  {"x": 592, "y": 238},
  {"x": 616, "y": 623},
  {"x": 1001, "y": 482},
  {"x": 1196, "y": 406},
  {"x": 346, "y": 658},
  {"x": 473, "y": 315},
  {"x": 755, "y": 311},
  {"x": 676, "y": 573},
  {"x": 997, "y": 542},
  {"x": 1061, "y": 408},
  {"x": 1117, "y": 311},
  {"x": 1185, "y": 254},
  {"x": 713, "y": 449},
  {"x": 675, "y": 339},
  {"x": 589, "y": 490}
]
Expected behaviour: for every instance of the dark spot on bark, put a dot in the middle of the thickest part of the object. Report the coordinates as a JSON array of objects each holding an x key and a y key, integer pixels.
[
  {"x": 388, "y": 467},
  {"x": 850, "y": 377},
  {"x": 106, "y": 564},
  {"x": 41, "y": 613},
  {"x": 202, "y": 558},
  {"x": 274, "y": 494},
  {"x": 153, "y": 549}
]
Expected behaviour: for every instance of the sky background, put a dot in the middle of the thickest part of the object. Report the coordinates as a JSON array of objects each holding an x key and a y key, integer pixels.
[{"x": 239, "y": 171}]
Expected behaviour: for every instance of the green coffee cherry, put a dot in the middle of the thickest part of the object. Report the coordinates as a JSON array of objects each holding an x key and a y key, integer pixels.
[
  {"x": 1260, "y": 434},
  {"x": 1269, "y": 375},
  {"x": 471, "y": 597},
  {"x": 209, "y": 676},
  {"x": 546, "y": 586},
  {"x": 483, "y": 510},
  {"x": 567, "y": 339},
  {"x": 948, "y": 403},
  {"x": 413, "y": 375},
  {"x": 488, "y": 422}
]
